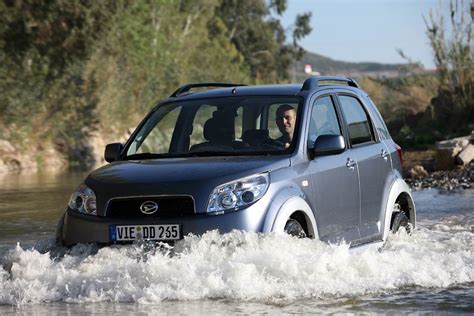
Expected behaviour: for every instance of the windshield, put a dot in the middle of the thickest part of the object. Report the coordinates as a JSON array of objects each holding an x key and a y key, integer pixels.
[{"x": 219, "y": 126}]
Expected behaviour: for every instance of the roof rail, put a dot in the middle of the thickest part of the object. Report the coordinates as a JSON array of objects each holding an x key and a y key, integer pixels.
[
  {"x": 189, "y": 86},
  {"x": 313, "y": 82}
]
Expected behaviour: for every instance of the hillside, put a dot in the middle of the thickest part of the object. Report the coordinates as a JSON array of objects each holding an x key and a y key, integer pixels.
[{"x": 327, "y": 66}]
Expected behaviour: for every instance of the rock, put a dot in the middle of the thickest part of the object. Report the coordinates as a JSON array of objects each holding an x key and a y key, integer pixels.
[
  {"x": 466, "y": 156},
  {"x": 459, "y": 178},
  {"x": 455, "y": 144},
  {"x": 444, "y": 159},
  {"x": 9, "y": 161},
  {"x": 446, "y": 152},
  {"x": 6, "y": 147},
  {"x": 417, "y": 172},
  {"x": 52, "y": 160}
]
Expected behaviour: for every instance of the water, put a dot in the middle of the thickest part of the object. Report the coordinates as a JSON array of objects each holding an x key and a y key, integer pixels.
[{"x": 430, "y": 271}]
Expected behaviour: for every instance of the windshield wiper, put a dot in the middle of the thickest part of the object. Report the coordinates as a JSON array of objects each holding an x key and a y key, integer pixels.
[
  {"x": 204, "y": 153},
  {"x": 145, "y": 156},
  {"x": 207, "y": 153}
]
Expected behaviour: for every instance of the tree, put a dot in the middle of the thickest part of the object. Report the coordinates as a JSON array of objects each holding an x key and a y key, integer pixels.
[
  {"x": 260, "y": 37},
  {"x": 453, "y": 108}
]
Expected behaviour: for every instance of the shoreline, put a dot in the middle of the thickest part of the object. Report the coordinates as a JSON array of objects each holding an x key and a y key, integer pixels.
[
  {"x": 462, "y": 178},
  {"x": 419, "y": 172}
]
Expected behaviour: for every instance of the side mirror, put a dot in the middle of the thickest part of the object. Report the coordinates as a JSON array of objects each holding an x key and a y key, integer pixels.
[
  {"x": 112, "y": 152},
  {"x": 328, "y": 145}
]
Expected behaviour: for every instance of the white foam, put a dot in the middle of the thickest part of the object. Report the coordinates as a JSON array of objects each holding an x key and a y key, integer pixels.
[{"x": 238, "y": 266}]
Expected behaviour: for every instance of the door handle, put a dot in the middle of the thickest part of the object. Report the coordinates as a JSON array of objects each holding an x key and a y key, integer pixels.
[
  {"x": 384, "y": 154},
  {"x": 350, "y": 164}
]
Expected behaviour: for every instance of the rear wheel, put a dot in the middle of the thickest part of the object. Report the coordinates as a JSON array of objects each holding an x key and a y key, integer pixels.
[
  {"x": 294, "y": 228},
  {"x": 401, "y": 221}
]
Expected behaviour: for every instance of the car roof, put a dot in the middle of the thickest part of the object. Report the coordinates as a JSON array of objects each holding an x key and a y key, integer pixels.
[
  {"x": 275, "y": 89},
  {"x": 215, "y": 90}
]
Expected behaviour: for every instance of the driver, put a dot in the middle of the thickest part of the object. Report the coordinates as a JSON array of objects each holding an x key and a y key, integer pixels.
[{"x": 285, "y": 120}]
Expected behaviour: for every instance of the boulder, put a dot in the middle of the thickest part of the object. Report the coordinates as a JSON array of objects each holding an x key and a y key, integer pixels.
[
  {"x": 417, "y": 172},
  {"x": 447, "y": 150},
  {"x": 9, "y": 161},
  {"x": 466, "y": 155},
  {"x": 6, "y": 147}
]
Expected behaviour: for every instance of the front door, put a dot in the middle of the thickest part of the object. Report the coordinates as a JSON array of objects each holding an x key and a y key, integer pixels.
[{"x": 334, "y": 178}]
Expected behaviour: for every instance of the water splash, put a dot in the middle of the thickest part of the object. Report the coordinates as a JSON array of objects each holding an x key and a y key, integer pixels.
[{"x": 237, "y": 266}]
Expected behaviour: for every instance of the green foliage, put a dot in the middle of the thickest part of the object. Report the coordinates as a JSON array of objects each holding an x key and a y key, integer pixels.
[
  {"x": 453, "y": 108},
  {"x": 260, "y": 37},
  {"x": 71, "y": 67}
]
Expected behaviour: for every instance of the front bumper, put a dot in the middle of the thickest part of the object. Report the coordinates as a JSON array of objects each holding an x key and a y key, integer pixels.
[{"x": 81, "y": 228}]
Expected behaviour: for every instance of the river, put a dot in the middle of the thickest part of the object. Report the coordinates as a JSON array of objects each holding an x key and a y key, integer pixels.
[{"x": 432, "y": 270}]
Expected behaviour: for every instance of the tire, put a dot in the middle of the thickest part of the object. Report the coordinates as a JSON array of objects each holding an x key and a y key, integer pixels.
[
  {"x": 401, "y": 221},
  {"x": 59, "y": 231},
  {"x": 294, "y": 228}
]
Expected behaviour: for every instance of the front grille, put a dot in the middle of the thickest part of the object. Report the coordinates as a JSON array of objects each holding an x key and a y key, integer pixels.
[{"x": 168, "y": 207}]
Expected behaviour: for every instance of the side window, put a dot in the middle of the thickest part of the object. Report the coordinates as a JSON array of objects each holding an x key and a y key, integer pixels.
[
  {"x": 323, "y": 120},
  {"x": 358, "y": 121}
]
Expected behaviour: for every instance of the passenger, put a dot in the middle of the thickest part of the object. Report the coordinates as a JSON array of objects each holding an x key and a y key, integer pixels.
[{"x": 286, "y": 120}]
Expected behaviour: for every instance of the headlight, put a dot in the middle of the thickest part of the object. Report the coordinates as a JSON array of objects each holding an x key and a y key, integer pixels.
[
  {"x": 83, "y": 200},
  {"x": 238, "y": 193}
]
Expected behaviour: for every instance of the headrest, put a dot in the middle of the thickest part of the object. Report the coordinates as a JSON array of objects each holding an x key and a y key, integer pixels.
[
  {"x": 255, "y": 136},
  {"x": 218, "y": 131}
]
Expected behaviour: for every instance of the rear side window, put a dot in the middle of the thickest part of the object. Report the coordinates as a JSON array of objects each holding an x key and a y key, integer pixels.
[
  {"x": 379, "y": 122},
  {"x": 358, "y": 122}
]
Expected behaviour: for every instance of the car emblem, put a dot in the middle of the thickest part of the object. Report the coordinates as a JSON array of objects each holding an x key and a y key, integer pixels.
[{"x": 149, "y": 207}]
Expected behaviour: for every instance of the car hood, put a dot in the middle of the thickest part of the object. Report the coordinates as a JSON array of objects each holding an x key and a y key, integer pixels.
[{"x": 196, "y": 177}]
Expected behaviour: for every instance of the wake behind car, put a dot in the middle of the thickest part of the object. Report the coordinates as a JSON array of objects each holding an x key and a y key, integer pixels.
[{"x": 313, "y": 160}]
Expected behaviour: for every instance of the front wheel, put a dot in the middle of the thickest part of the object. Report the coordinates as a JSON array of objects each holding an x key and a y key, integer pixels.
[{"x": 294, "y": 228}]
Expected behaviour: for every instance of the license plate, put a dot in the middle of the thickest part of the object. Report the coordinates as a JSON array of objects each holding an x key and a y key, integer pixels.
[{"x": 145, "y": 232}]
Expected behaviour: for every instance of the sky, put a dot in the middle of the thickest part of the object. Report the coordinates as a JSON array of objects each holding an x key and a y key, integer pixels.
[{"x": 368, "y": 30}]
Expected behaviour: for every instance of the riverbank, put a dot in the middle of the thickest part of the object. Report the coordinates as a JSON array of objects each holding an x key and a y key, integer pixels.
[{"x": 419, "y": 172}]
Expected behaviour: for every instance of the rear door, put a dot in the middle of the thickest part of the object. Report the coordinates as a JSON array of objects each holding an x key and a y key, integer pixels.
[
  {"x": 334, "y": 178},
  {"x": 373, "y": 162}
]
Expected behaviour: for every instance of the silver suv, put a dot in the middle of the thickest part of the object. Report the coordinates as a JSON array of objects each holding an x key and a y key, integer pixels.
[{"x": 313, "y": 160}]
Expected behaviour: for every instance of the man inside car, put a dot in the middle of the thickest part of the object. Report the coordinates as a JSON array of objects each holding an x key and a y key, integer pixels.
[{"x": 286, "y": 120}]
